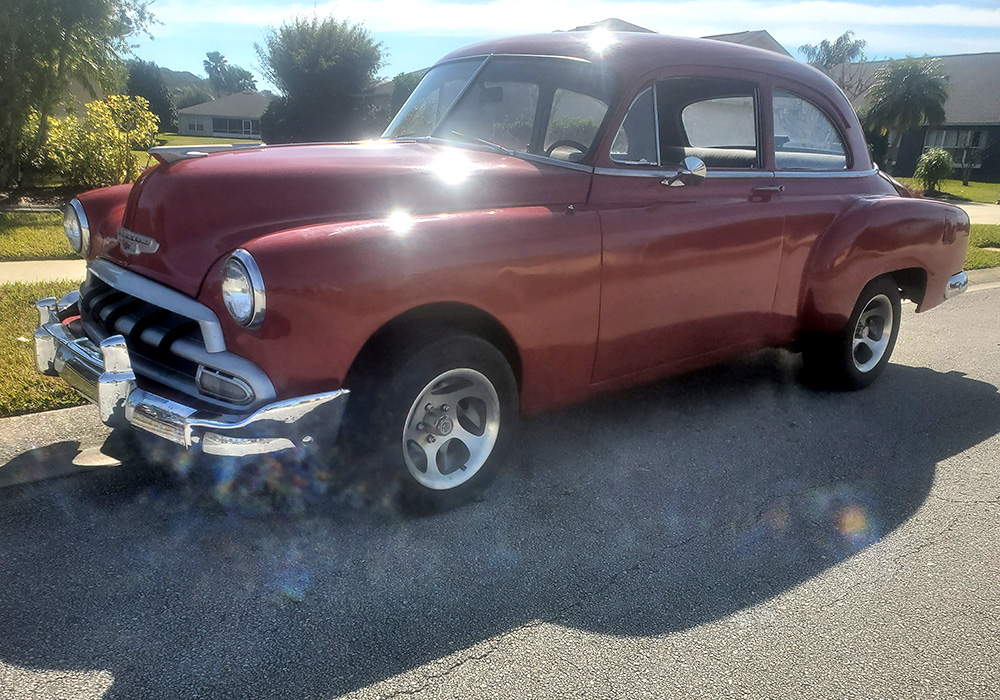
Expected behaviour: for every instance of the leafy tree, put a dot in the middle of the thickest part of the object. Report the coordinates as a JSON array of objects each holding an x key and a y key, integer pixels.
[
  {"x": 238, "y": 79},
  {"x": 146, "y": 80},
  {"x": 934, "y": 166},
  {"x": 320, "y": 66},
  {"x": 843, "y": 60},
  {"x": 46, "y": 44},
  {"x": 403, "y": 86},
  {"x": 225, "y": 78},
  {"x": 906, "y": 94},
  {"x": 192, "y": 95},
  {"x": 215, "y": 66}
]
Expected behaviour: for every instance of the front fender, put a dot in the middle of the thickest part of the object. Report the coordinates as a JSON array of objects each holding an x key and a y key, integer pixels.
[
  {"x": 876, "y": 236},
  {"x": 331, "y": 287}
]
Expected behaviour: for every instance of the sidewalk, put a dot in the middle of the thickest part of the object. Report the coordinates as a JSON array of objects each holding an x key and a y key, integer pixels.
[
  {"x": 982, "y": 213},
  {"x": 42, "y": 270}
]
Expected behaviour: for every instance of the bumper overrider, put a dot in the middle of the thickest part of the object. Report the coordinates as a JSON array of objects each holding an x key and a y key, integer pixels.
[{"x": 102, "y": 373}]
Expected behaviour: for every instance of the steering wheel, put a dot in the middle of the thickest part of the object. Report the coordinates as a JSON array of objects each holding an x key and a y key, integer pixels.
[{"x": 565, "y": 142}]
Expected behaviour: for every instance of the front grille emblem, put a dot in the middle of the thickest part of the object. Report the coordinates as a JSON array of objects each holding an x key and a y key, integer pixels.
[{"x": 133, "y": 243}]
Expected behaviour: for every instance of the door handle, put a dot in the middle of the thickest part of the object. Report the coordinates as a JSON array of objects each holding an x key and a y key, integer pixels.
[{"x": 769, "y": 188}]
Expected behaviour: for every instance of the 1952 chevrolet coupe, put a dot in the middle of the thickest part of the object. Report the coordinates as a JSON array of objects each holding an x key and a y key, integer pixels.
[{"x": 547, "y": 217}]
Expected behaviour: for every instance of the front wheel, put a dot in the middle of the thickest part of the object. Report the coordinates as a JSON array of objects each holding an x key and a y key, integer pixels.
[
  {"x": 854, "y": 357},
  {"x": 439, "y": 422}
]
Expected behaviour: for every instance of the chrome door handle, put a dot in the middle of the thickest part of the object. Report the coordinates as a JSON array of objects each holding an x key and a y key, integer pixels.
[{"x": 769, "y": 188}]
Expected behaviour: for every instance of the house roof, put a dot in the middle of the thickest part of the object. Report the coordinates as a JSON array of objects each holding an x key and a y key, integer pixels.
[
  {"x": 246, "y": 105},
  {"x": 973, "y": 87},
  {"x": 759, "y": 38}
]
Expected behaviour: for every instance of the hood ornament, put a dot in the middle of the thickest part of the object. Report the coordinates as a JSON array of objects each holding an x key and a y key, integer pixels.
[{"x": 132, "y": 243}]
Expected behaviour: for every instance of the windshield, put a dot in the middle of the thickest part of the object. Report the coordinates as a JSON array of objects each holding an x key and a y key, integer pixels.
[{"x": 541, "y": 105}]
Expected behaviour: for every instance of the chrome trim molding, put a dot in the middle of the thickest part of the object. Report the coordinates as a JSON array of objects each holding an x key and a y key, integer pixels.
[
  {"x": 256, "y": 285},
  {"x": 161, "y": 295},
  {"x": 104, "y": 376},
  {"x": 807, "y": 174},
  {"x": 956, "y": 285},
  {"x": 665, "y": 174},
  {"x": 81, "y": 216},
  {"x": 568, "y": 164},
  {"x": 172, "y": 154}
]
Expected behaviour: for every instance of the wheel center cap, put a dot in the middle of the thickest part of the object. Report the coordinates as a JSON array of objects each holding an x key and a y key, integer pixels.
[{"x": 438, "y": 422}]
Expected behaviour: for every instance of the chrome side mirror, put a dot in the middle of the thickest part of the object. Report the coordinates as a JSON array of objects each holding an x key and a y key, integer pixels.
[{"x": 692, "y": 171}]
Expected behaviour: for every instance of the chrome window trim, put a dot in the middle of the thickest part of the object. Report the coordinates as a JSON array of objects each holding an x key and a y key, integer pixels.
[
  {"x": 811, "y": 174},
  {"x": 511, "y": 55},
  {"x": 548, "y": 160},
  {"x": 656, "y": 124},
  {"x": 660, "y": 173},
  {"x": 155, "y": 293}
]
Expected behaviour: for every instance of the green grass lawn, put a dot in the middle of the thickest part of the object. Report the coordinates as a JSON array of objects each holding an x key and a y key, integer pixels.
[
  {"x": 983, "y": 236},
  {"x": 32, "y": 236},
  {"x": 179, "y": 140},
  {"x": 22, "y": 389},
  {"x": 986, "y": 192}
]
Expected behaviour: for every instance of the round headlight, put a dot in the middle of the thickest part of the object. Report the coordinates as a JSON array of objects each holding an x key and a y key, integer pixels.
[
  {"x": 76, "y": 227},
  {"x": 243, "y": 289}
]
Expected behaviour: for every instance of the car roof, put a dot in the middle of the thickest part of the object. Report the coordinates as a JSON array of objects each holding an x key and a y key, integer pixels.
[{"x": 632, "y": 54}]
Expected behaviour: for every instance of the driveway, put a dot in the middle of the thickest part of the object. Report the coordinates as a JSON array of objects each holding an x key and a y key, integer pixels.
[{"x": 725, "y": 534}]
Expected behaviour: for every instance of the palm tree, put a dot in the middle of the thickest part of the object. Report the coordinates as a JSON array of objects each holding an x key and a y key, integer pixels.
[
  {"x": 906, "y": 94},
  {"x": 215, "y": 65}
]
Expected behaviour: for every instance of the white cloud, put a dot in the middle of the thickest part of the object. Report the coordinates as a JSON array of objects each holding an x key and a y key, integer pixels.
[{"x": 494, "y": 17}]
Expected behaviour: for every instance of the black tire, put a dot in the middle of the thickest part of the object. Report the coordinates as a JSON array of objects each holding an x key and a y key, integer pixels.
[
  {"x": 378, "y": 420},
  {"x": 832, "y": 361}
]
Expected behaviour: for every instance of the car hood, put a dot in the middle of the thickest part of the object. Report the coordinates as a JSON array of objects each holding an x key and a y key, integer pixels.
[{"x": 200, "y": 209}]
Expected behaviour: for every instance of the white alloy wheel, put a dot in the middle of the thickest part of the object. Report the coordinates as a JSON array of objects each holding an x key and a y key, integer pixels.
[
  {"x": 451, "y": 429},
  {"x": 872, "y": 333}
]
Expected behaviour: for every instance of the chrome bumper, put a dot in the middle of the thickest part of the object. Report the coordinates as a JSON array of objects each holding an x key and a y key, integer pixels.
[
  {"x": 956, "y": 285},
  {"x": 103, "y": 375}
]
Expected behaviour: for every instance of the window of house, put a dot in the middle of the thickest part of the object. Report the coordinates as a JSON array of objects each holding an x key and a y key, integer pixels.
[{"x": 805, "y": 138}]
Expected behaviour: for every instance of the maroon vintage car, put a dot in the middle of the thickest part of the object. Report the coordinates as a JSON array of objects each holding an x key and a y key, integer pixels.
[{"x": 547, "y": 217}]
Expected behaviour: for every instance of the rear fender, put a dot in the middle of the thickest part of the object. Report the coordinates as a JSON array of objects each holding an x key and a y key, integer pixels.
[{"x": 875, "y": 237}]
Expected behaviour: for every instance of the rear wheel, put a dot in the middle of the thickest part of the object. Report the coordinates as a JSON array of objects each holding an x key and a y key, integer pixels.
[
  {"x": 855, "y": 356},
  {"x": 438, "y": 422}
]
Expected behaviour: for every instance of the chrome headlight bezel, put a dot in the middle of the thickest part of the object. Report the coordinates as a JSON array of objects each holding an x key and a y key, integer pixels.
[
  {"x": 76, "y": 218},
  {"x": 240, "y": 266}
]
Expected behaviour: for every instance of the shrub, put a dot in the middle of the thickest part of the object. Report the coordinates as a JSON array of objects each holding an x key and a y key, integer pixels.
[
  {"x": 934, "y": 166},
  {"x": 98, "y": 150}
]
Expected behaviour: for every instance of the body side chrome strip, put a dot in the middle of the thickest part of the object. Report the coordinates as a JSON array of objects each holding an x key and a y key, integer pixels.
[{"x": 660, "y": 174}]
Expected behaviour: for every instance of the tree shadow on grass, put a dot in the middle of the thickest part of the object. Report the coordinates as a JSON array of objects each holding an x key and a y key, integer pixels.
[{"x": 643, "y": 514}]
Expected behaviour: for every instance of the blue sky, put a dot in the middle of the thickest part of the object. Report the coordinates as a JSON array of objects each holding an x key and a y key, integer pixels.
[{"x": 415, "y": 33}]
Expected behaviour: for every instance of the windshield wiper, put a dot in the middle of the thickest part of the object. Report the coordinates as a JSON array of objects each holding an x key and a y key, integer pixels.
[{"x": 483, "y": 142}]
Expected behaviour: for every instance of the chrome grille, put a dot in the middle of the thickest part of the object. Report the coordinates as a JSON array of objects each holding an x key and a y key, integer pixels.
[{"x": 165, "y": 347}]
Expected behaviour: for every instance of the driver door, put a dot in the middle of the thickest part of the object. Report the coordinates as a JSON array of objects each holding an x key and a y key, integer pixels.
[{"x": 687, "y": 270}]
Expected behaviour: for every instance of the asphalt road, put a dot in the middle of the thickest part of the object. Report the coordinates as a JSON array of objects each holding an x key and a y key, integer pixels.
[{"x": 725, "y": 534}]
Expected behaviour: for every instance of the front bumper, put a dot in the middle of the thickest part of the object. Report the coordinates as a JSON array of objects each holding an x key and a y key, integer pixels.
[
  {"x": 103, "y": 375},
  {"x": 956, "y": 285}
]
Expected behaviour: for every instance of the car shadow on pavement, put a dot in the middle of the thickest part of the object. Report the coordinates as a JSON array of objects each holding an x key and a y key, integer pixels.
[{"x": 646, "y": 513}]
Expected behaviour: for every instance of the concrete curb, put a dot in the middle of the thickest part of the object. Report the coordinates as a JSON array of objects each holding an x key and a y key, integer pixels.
[{"x": 28, "y": 208}]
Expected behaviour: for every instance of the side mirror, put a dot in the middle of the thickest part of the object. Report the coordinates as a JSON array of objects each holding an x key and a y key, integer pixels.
[{"x": 692, "y": 171}]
